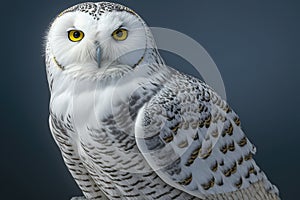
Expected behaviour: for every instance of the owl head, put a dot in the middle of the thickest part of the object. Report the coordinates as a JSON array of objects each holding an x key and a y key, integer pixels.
[{"x": 97, "y": 37}]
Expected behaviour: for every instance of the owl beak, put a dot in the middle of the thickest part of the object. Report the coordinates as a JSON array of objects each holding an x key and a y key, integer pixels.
[{"x": 98, "y": 56}]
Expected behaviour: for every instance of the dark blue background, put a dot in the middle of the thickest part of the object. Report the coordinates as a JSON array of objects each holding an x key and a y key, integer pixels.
[{"x": 255, "y": 45}]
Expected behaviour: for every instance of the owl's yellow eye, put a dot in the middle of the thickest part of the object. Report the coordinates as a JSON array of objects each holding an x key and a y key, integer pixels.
[
  {"x": 120, "y": 34},
  {"x": 75, "y": 35}
]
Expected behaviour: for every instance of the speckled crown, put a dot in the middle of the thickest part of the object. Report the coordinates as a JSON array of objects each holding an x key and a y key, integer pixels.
[{"x": 97, "y": 9}]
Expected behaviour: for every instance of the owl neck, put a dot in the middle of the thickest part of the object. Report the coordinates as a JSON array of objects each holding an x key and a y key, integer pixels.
[{"x": 151, "y": 67}]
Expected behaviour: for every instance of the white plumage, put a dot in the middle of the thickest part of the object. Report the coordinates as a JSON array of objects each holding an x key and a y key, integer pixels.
[{"x": 129, "y": 127}]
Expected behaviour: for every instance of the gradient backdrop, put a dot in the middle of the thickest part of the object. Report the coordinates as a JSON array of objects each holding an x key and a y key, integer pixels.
[{"x": 255, "y": 45}]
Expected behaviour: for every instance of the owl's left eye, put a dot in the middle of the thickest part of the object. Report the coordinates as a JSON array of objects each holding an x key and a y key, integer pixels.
[
  {"x": 120, "y": 34},
  {"x": 75, "y": 35}
]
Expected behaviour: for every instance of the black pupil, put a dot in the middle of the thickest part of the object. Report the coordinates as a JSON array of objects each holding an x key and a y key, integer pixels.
[
  {"x": 76, "y": 34},
  {"x": 119, "y": 33}
]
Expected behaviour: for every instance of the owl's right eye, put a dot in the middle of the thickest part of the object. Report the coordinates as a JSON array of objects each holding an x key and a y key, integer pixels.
[{"x": 75, "y": 35}]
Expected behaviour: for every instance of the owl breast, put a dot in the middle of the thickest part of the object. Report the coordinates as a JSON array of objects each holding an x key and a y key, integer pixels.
[
  {"x": 102, "y": 121},
  {"x": 97, "y": 122}
]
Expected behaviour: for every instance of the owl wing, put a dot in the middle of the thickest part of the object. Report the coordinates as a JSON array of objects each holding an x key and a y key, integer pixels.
[{"x": 193, "y": 140}]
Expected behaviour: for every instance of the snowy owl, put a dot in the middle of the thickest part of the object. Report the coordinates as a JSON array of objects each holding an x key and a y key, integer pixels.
[{"x": 130, "y": 127}]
